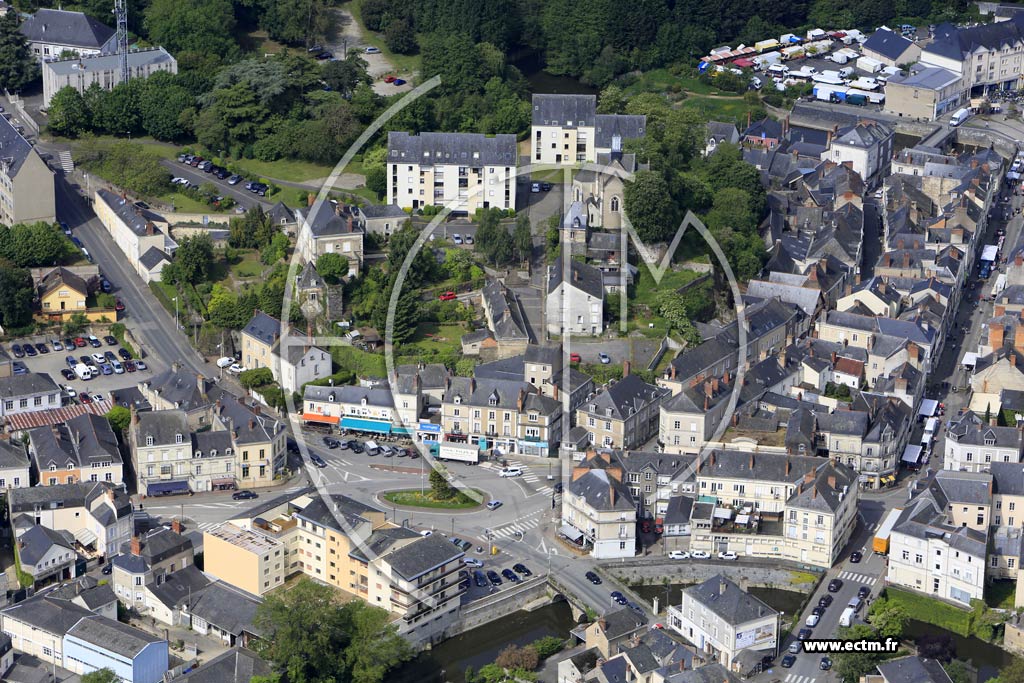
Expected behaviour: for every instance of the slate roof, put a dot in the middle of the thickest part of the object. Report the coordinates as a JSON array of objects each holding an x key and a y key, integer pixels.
[
  {"x": 59, "y": 277},
  {"x": 137, "y": 59},
  {"x": 309, "y": 278},
  {"x": 971, "y": 429},
  {"x": 625, "y": 397},
  {"x": 480, "y": 392},
  {"x": 765, "y": 128},
  {"x": 864, "y": 134},
  {"x": 180, "y": 387},
  {"x": 61, "y": 27},
  {"x": 237, "y": 665},
  {"x": 12, "y": 455},
  {"x": 66, "y": 495},
  {"x": 419, "y": 557},
  {"x": 625, "y": 126},
  {"x": 1007, "y": 478},
  {"x": 913, "y": 669},
  {"x": 379, "y": 541},
  {"x": 159, "y": 545},
  {"x": 27, "y": 384},
  {"x": 249, "y": 424},
  {"x": 452, "y": 148},
  {"x": 87, "y": 589},
  {"x": 113, "y": 636},
  {"x": 565, "y": 111},
  {"x": 954, "y": 42},
  {"x": 226, "y": 607},
  {"x": 582, "y": 276},
  {"x": 164, "y": 426},
  {"x": 382, "y": 211},
  {"x": 602, "y": 491},
  {"x": 82, "y": 441},
  {"x": 280, "y": 214},
  {"x": 263, "y": 327},
  {"x": 620, "y": 622},
  {"x": 927, "y": 78},
  {"x": 722, "y": 132},
  {"x": 37, "y": 541},
  {"x": 135, "y": 219},
  {"x": 805, "y": 298},
  {"x": 349, "y": 394},
  {"x": 326, "y": 513},
  {"x": 152, "y": 258},
  {"x": 733, "y": 605},
  {"x": 50, "y": 615},
  {"x": 678, "y": 511},
  {"x": 711, "y": 673},
  {"x": 706, "y": 355},
  {"x": 502, "y": 307},
  {"x": 887, "y": 43}
]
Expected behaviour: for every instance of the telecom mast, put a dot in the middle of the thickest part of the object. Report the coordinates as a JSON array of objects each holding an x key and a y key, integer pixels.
[{"x": 121, "y": 18}]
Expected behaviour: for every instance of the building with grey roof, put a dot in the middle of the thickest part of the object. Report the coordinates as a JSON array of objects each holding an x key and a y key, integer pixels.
[
  {"x": 383, "y": 219},
  {"x": 504, "y": 318},
  {"x": 913, "y": 669},
  {"x": 45, "y": 553},
  {"x": 131, "y": 653},
  {"x": 14, "y": 465},
  {"x": 237, "y": 665},
  {"x": 623, "y": 413},
  {"x": 105, "y": 69},
  {"x": 723, "y": 620},
  {"x": 331, "y": 227},
  {"x": 52, "y": 33},
  {"x": 466, "y": 171},
  {"x": 83, "y": 448},
  {"x": 972, "y": 445},
  {"x": 599, "y": 511},
  {"x": 890, "y": 48},
  {"x": 28, "y": 393},
  {"x": 993, "y": 47},
  {"x": 566, "y": 129},
  {"x": 135, "y": 231},
  {"x": 98, "y": 515}
]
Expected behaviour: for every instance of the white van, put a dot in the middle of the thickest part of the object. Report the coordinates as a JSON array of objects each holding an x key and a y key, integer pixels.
[
  {"x": 959, "y": 117},
  {"x": 83, "y": 372},
  {"x": 371, "y": 448},
  {"x": 847, "y": 617},
  {"x": 778, "y": 70},
  {"x": 931, "y": 427}
]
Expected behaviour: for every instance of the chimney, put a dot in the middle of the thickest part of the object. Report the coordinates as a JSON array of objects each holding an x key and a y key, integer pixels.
[
  {"x": 149, "y": 228},
  {"x": 721, "y": 586},
  {"x": 1018, "y": 260},
  {"x": 808, "y": 477},
  {"x": 252, "y": 424},
  {"x": 707, "y": 403},
  {"x": 833, "y": 358},
  {"x": 993, "y": 421},
  {"x": 135, "y": 415},
  {"x": 625, "y": 369},
  {"x": 814, "y": 492},
  {"x": 906, "y": 260},
  {"x": 712, "y": 463},
  {"x": 714, "y": 385},
  {"x": 256, "y": 408},
  {"x": 1000, "y": 310},
  {"x": 751, "y": 461},
  {"x": 201, "y": 384},
  {"x": 554, "y": 390},
  {"x": 310, "y": 199},
  {"x": 136, "y": 546},
  {"x": 984, "y": 390},
  {"x": 725, "y": 379},
  {"x": 176, "y": 526},
  {"x": 672, "y": 371},
  {"x": 832, "y": 482},
  {"x": 519, "y": 401},
  {"x": 708, "y": 389}
]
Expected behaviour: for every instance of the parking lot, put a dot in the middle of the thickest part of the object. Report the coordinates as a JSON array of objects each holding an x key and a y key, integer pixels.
[{"x": 53, "y": 362}]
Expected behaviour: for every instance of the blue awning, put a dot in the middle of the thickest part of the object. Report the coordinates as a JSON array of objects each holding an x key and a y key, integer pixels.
[
  {"x": 366, "y": 425},
  {"x": 163, "y": 488},
  {"x": 403, "y": 431}
]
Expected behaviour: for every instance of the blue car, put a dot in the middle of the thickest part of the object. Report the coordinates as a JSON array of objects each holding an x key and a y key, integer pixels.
[
  {"x": 106, "y": 369},
  {"x": 77, "y": 242},
  {"x": 71, "y": 361}
]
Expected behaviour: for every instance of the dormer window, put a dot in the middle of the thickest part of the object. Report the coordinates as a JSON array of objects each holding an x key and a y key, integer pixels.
[
  {"x": 198, "y": 454},
  {"x": 458, "y": 400},
  {"x": 213, "y": 452},
  {"x": 330, "y": 397},
  {"x": 53, "y": 468},
  {"x": 178, "y": 438},
  {"x": 227, "y": 451},
  {"x": 363, "y": 401},
  {"x": 989, "y": 441},
  {"x": 149, "y": 440},
  {"x": 71, "y": 466}
]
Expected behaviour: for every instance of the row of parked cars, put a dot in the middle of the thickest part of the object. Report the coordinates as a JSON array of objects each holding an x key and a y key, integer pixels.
[
  {"x": 491, "y": 577},
  {"x": 207, "y": 166}
]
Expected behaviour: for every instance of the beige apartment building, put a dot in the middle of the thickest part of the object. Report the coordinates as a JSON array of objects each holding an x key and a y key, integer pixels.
[
  {"x": 927, "y": 93},
  {"x": 599, "y": 512},
  {"x": 500, "y": 413},
  {"x": 467, "y": 171},
  {"x": 26, "y": 182},
  {"x": 623, "y": 414},
  {"x": 245, "y": 558},
  {"x": 567, "y": 130}
]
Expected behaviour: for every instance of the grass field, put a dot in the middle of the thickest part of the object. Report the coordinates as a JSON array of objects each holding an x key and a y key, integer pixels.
[
  {"x": 664, "y": 81},
  {"x": 248, "y": 266},
  {"x": 434, "y": 338},
  {"x": 163, "y": 149},
  {"x": 932, "y": 611},
  {"x": 413, "y": 498},
  {"x": 733, "y": 109},
  {"x": 290, "y": 170},
  {"x": 360, "y": 362},
  {"x": 185, "y": 204},
  {"x": 647, "y": 289}
]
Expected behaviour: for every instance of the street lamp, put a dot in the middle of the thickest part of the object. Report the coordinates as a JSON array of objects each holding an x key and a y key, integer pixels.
[{"x": 175, "y": 314}]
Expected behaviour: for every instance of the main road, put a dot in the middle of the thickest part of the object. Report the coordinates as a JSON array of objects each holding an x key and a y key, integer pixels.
[{"x": 148, "y": 320}]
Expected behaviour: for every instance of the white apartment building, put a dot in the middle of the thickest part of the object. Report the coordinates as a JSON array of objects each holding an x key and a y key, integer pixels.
[
  {"x": 468, "y": 171},
  {"x": 986, "y": 56},
  {"x": 29, "y": 393},
  {"x": 867, "y": 145},
  {"x": 161, "y": 444},
  {"x": 598, "y": 510},
  {"x": 567, "y": 130},
  {"x": 139, "y": 233},
  {"x": 972, "y": 445},
  {"x": 722, "y": 620},
  {"x": 81, "y": 73}
]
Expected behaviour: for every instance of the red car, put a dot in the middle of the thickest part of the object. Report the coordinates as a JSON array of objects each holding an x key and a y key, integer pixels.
[
  {"x": 575, "y": 358},
  {"x": 80, "y": 342},
  {"x": 645, "y": 526},
  {"x": 119, "y": 306},
  {"x": 447, "y": 296},
  {"x": 658, "y": 526},
  {"x": 84, "y": 398},
  {"x": 389, "y": 79}
]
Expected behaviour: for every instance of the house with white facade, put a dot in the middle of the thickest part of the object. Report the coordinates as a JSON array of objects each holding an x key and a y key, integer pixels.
[
  {"x": 14, "y": 465},
  {"x": 51, "y": 33},
  {"x": 575, "y": 300},
  {"x": 29, "y": 393},
  {"x": 99, "y": 516},
  {"x": 135, "y": 231},
  {"x": 598, "y": 510},
  {"x": 722, "y": 621},
  {"x": 292, "y": 358},
  {"x": 567, "y": 130},
  {"x": 867, "y": 145},
  {"x": 972, "y": 445}
]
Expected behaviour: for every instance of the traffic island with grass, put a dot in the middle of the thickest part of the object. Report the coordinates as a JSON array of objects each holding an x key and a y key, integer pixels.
[{"x": 428, "y": 499}]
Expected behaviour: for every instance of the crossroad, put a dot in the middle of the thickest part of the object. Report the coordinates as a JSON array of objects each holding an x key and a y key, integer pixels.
[
  {"x": 531, "y": 521},
  {"x": 528, "y": 476}
]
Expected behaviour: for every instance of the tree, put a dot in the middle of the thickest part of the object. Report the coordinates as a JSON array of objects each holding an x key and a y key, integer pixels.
[
  {"x": 161, "y": 105},
  {"x": 400, "y": 38},
  {"x": 34, "y": 245},
  {"x": 15, "y": 296},
  {"x": 193, "y": 258},
  {"x": 119, "y": 418},
  {"x": 69, "y": 115},
  {"x": 202, "y": 27},
  {"x": 515, "y": 657},
  {"x": 18, "y": 66},
  {"x": 103, "y": 675},
  {"x": 649, "y": 207},
  {"x": 375, "y": 645},
  {"x": 307, "y": 633},
  {"x": 888, "y": 618},
  {"x": 224, "y": 309},
  {"x": 344, "y": 75},
  {"x": 1014, "y": 673},
  {"x": 440, "y": 488},
  {"x": 256, "y": 377},
  {"x": 548, "y": 646},
  {"x": 522, "y": 237},
  {"x": 850, "y": 666},
  {"x": 332, "y": 266}
]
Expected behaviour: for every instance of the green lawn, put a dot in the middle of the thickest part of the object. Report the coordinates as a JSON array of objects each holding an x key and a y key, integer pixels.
[
  {"x": 248, "y": 266},
  {"x": 732, "y": 109},
  {"x": 647, "y": 290},
  {"x": 164, "y": 149},
  {"x": 362, "y": 363},
  {"x": 553, "y": 175},
  {"x": 405, "y": 64},
  {"x": 413, "y": 498},
  {"x": 664, "y": 81},
  {"x": 1000, "y": 594},
  {"x": 437, "y": 338},
  {"x": 932, "y": 611},
  {"x": 290, "y": 170},
  {"x": 184, "y": 204}
]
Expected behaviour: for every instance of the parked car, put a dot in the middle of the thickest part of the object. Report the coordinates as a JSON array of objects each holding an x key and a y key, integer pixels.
[
  {"x": 372, "y": 50},
  {"x": 812, "y": 620},
  {"x": 618, "y": 598},
  {"x": 29, "y": 350},
  {"x": 69, "y": 390},
  {"x": 545, "y": 187},
  {"x": 603, "y": 357},
  {"x": 804, "y": 634},
  {"x": 855, "y": 557},
  {"x": 235, "y": 179},
  {"x": 457, "y": 238},
  {"x": 19, "y": 368},
  {"x": 863, "y": 592},
  {"x": 129, "y": 365},
  {"x": 106, "y": 369},
  {"x": 236, "y": 369},
  {"x": 17, "y": 351},
  {"x": 678, "y": 555},
  {"x": 788, "y": 661},
  {"x": 331, "y": 442},
  {"x": 835, "y": 585},
  {"x": 494, "y": 578},
  {"x": 447, "y": 296},
  {"x": 99, "y": 358},
  {"x": 85, "y": 399},
  {"x": 535, "y": 188},
  {"x": 94, "y": 341},
  {"x": 325, "y": 55},
  {"x": 124, "y": 354},
  {"x": 398, "y": 81},
  {"x": 825, "y": 664},
  {"x": 480, "y": 579},
  {"x": 140, "y": 365},
  {"x": 243, "y": 495},
  {"x": 67, "y": 374},
  {"x": 593, "y": 578},
  {"x": 389, "y": 79},
  {"x": 472, "y": 562},
  {"x": 825, "y": 600},
  {"x": 225, "y": 362},
  {"x": 468, "y": 239},
  {"x": 794, "y": 647},
  {"x": 57, "y": 345},
  {"x": 119, "y": 306},
  {"x": 42, "y": 348},
  {"x": 522, "y": 569},
  {"x": 727, "y": 556},
  {"x": 109, "y": 355},
  {"x": 510, "y": 576},
  {"x": 700, "y": 555},
  {"x": 80, "y": 342}
]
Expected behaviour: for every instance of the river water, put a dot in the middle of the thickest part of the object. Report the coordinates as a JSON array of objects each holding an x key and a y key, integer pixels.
[
  {"x": 986, "y": 657},
  {"x": 447, "y": 662},
  {"x": 532, "y": 67}
]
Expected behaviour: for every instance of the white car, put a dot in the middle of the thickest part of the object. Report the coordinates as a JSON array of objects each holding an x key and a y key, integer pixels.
[
  {"x": 372, "y": 50},
  {"x": 69, "y": 390},
  {"x": 812, "y": 621},
  {"x": 179, "y": 181},
  {"x": 700, "y": 555},
  {"x": 457, "y": 238},
  {"x": 678, "y": 555},
  {"x": 727, "y": 556},
  {"x": 226, "y": 361},
  {"x": 236, "y": 369},
  {"x": 99, "y": 358},
  {"x": 511, "y": 472},
  {"x": 472, "y": 562}
]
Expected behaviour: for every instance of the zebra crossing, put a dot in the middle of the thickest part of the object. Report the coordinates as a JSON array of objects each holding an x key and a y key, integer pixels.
[
  {"x": 206, "y": 526},
  {"x": 531, "y": 521},
  {"x": 859, "y": 578},
  {"x": 529, "y": 476},
  {"x": 795, "y": 678}
]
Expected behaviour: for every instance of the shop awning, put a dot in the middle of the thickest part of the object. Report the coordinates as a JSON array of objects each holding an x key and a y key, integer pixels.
[
  {"x": 723, "y": 513},
  {"x": 571, "y": 532},
  {"x": 85, "y": 537},
  {"x": 402, "y": 431},
  {"x": 317, "y": 417},
  {"x": 889, "y": 478},
  {"x": 911, "y": 454},
  {"x": 743, "y": 519},
  {"x": 226, "y": 481},
  {"x": 163, "y": 488},
  {"x": 366, "y": 425},
  {"x": 928, "y": 407}
]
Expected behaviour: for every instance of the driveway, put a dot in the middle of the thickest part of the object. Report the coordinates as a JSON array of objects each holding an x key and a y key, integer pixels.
[{"x": 348, "y": 35}]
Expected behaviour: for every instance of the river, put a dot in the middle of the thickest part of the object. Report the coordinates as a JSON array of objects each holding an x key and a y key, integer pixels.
[
  {"x": 532, "y": 67},
  {"x": 988, "y": 658},
  {"x": 447, "y": 662}
]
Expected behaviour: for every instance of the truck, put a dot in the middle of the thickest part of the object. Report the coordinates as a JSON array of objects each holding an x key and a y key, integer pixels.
[
  {"x": 795, "y": 52},
  {"x": 765, "y": 45},
  {"x": 856, "y": 98},
  {"x": 959, "y": 116},
  {"x": 990, "y": 253},
  {"x": 828, "y": 93},
  {"x": 461, "y": 452},
  {"x": 846, "y": 619},
  {"x": 870, "y": 65},
  {"x": 880, "y": 544},
  {"x": 804, "y": 73},
  {"x": 762, "y": 62},
  {"x": 872, "y": 97},
  {"x": 83, "y": 371}
]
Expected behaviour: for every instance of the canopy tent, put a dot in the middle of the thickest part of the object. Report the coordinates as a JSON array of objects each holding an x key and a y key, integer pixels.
[
  {"x": 359, "y": 425},
  {"x": 165, "y": 488},
  {"x": 928, "y": 407},
  {"x": 571, "y": 532},
  {"x": 911, "y": 455}
]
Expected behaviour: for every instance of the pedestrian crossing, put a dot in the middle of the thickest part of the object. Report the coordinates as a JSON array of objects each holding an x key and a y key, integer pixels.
[
  {"x": 206, "y": 526},
  {"x": 528, "y": 476},
  {"x": 859, "y": 578},
  {"x": 796, "y": 678},
  {"x": 512, "y": 529}
]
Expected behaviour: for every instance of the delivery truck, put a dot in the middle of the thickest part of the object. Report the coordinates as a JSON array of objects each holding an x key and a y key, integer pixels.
[
  {"x": 828, "y": 78},
  {"x": 847, "y": 617},
  {"x": 83, "y": 372},
  {"x": 762, "y": 62},
  {"x": 829, "y": 93},
  {"x": 959, "y": 116},
  {"x": 880, "y": 544},
  {"x": 461, "y": 452}
]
